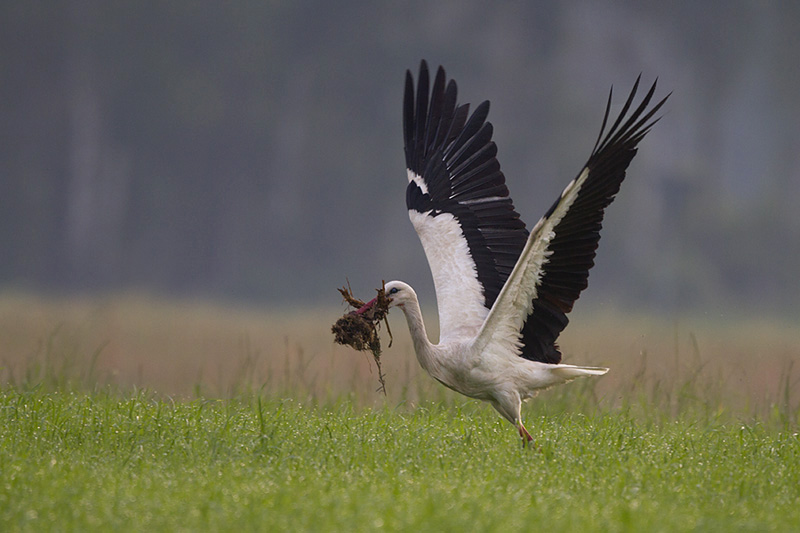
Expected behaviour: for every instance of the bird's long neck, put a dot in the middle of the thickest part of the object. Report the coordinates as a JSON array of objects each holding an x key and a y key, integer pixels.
[{"x": 422, "y": 346}]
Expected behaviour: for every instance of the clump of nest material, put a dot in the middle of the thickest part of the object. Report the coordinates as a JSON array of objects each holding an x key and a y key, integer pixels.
[{"x": 359, "y": 328}]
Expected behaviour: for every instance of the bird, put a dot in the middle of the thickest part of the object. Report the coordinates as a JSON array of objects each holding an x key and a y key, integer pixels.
[{"x": 503, "y": 292}]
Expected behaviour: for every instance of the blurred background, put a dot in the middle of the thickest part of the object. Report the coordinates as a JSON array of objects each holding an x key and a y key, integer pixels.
[
  {"x": 252, "y": 150},
  {"x": 184, "y": 184}
]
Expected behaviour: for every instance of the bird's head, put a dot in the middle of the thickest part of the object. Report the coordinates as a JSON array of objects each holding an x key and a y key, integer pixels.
[{"x": 399, "y": 293}]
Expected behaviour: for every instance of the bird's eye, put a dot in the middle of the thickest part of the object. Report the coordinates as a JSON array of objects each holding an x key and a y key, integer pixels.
[{"x": 393, "y": 290}]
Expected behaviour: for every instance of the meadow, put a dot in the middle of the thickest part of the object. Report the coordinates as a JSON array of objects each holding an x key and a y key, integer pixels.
[{"x": 130, "y": 414}]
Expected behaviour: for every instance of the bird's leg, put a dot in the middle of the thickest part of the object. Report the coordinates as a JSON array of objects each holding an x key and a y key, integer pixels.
[
  {"x": 527, "y": 440},
  {"x": 526, "y": 437}
]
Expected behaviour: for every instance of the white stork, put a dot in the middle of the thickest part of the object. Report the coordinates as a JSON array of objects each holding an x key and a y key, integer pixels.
[{"x": 503, "y": 294}]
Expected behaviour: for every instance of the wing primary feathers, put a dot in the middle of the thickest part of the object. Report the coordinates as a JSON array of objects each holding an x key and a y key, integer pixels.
[
  {"x": 624, "y": 110},
  {"x": 480, "y": 159},
  {"x": 640, "y": 126},
  {"x": 564, "y": 273},
  {"x": 408, "y": 120},
  {"x": 421, "y": 114},
  {"x": 481, "y": 138},
  {"x": 631, "y": 126},
  {"x": 473, "y": 125},
  {"x": 448, "y": 113},
  {"x": 456, "y": 197},
  {"x": 602, "y": 127},
  {"x": 434, "y": 111},
  {"x": 459, "y": 119}
]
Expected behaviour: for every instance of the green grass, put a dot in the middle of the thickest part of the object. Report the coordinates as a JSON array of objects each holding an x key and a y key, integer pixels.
[
  {"x": 133, "y": 414},
  {"x": 109, "y": 460}
]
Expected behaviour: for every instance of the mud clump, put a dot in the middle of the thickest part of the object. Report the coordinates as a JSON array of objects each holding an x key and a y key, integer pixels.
[
  {"x": 359, "y": 328},
  {"x": 357, "y": 332}
]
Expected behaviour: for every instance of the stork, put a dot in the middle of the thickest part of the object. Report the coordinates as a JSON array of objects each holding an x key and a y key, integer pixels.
[{"x": 503, "y": 293}]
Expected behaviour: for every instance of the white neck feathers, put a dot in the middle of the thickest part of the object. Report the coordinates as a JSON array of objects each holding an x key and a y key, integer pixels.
[{"x": 422, "y": 345}]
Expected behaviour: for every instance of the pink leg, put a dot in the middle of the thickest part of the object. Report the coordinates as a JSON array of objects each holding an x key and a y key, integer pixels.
[
  {"x": 526, "y": 437},
  {"x": 527, "y": 440}
]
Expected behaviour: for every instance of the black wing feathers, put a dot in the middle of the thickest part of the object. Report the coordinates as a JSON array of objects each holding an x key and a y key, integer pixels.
[
  {"x": 454, "y": 154},
  {"x": 566, "y": 273}
]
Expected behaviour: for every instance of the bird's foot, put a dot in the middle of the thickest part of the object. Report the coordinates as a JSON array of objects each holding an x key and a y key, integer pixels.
[{"x": 527, "y": 440}]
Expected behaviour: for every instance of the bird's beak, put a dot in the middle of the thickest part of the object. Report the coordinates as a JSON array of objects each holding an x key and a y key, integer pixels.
[{"x": 366, "y": 307}]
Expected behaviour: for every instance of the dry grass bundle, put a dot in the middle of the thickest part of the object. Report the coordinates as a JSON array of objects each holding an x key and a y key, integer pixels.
[{"x": 359, "y": 328}]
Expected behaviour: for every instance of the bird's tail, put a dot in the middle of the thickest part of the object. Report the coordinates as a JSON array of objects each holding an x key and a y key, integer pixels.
[{"x": 570, "y": 372}]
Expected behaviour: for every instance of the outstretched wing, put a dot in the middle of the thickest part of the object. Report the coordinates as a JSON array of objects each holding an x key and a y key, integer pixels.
[
  {"x": 458, "y": 202},
  {"x": 553, "y": 269}
]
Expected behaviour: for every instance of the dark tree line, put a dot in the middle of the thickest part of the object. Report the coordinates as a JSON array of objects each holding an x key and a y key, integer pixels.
[{"x": 253, "y": 149}]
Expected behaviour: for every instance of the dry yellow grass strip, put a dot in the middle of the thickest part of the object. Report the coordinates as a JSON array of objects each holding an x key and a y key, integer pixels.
[{"x": 185, "y": 348}]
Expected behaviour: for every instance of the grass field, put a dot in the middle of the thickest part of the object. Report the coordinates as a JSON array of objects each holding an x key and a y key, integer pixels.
[{"x": 131, "y": 414}]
